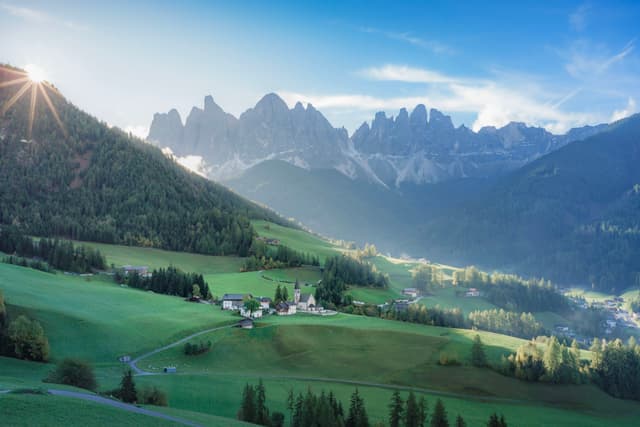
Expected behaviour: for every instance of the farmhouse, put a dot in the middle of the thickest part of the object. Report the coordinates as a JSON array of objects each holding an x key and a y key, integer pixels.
[
  {"x": 269, "y": 241},
  {"x": 234, "y": 301},
  {"x": 411, "y": 292},
  {"x": 246, "y": 313},
  {"x": 286, "y": 308},
  {"x": 141, "y": 270},
  {"x": 246, "y": 323},
  {"x": 265, "y": 303},
  {"x": 472, "y": 292}
]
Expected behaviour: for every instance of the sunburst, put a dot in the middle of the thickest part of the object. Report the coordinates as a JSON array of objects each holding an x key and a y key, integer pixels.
[{"x": 33, "y": 79}]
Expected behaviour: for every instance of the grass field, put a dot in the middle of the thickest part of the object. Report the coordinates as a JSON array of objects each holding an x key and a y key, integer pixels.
[
  {"x": 297, "y": 239},
  {"x": 97, "y": 319},
  {"x": 446, "y": 297},
  {"x": 157, "y": 258}
]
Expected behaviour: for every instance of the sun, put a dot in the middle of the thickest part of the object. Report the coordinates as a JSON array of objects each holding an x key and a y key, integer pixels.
[
  {"x": 35, "y": 73},
  {"x": 33, "y": 80}
]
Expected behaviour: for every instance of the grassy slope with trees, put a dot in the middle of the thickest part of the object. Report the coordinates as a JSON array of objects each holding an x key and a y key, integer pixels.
[{"x": 92, "y": 182}]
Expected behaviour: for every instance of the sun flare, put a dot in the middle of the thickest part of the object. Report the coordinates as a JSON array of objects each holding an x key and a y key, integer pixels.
[{"x": 35, "y": 73}]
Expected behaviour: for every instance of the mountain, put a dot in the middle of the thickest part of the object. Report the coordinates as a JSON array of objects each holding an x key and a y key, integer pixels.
[
  {"x": 270, "y": 130},
  {"x": 572, "y": 215},
  {"x": 413, "y": 148},
  {"x": 87, "y": 181}
]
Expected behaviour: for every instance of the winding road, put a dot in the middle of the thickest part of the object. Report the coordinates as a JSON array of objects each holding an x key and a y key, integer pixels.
[{"x": 134, "y": 363}]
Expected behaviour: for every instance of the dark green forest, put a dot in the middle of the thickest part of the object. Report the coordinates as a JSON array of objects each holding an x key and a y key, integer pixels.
[{"x": 92, "y": 182}]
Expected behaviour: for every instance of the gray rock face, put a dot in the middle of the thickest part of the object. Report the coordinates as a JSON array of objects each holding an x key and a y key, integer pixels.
[{"x": 412, "y": 147}]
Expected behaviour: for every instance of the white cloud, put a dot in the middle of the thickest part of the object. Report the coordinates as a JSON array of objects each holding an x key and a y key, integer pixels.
[
  {"x": 193, "y": 163},
  {"x": 39, "y": 17},
  {"x": 404, "y": 73},
  {"x": 137, "y": 130},
  {"x": 579, "y": 17},
  {"x": 625, "y": 112},
  {"x": 494, "y": 102},
  {"x": 432, "y": 45}
]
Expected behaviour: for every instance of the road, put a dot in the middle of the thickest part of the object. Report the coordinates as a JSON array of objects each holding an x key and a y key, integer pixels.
[
  {"x": 116, "y": 404},
  {"x": 133, "y": 364}
]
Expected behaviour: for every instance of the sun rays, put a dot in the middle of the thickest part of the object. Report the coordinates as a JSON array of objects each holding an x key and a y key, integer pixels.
[{"x": 33, "y": 79}]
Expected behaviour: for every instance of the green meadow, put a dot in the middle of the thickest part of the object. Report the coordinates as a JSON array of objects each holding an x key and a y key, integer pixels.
[{"x": 97, "y": 320}]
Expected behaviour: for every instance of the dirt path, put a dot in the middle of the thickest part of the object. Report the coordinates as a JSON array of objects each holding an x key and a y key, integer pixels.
[{"x": 134, "y": 362}]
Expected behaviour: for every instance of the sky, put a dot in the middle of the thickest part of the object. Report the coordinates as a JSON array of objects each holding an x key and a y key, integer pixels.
[{"x": 557, "y": 64}]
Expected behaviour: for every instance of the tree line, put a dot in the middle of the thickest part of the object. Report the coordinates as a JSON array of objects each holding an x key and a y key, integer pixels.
[
  {"x": 311, "y": 409},
  {"x": 263, "y": 257},
  {"x": 512, "y": 292},
  {"x": 169, "y": 281},
  {"x": 59, "y": 254},
  {"x": 341, "y": 271}
]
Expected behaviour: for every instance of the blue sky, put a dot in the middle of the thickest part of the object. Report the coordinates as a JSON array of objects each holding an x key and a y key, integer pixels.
[{"x": 555, "y": 64}]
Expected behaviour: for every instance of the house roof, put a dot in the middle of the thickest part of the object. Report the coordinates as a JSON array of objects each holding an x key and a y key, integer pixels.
[
  {"x": 234, "y": 297},
  {"x": 305, "y": 297},
  {"x": 265, "y": 299},
  {"x": 282, "y": 306},
  {"x": 245, "y": 321}
]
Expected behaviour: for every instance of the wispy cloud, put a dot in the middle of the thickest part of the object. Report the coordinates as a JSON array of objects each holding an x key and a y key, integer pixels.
[
  {"x": 630, "y": 109},
  {"x": 495, "y": 102},
  {"x": 137, "y": 130},
  {"x": 585, "y": 62},
  {"x": 432, "y": 45},
  {"x": 39, "y": 16},
  {"x": 193, "y": 163},
  {"x": 407, "y": 74},
  {"x": 578, "y": 19}
]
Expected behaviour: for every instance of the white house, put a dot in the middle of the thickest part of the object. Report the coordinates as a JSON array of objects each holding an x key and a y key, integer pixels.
[
  {"x": 472, "y": 292},
  {"x": 234, "y": 301},
  {"x": 265, "y": 303},
  {"x": 411, "y": 292},
  {"x": 245, "y": 313}
]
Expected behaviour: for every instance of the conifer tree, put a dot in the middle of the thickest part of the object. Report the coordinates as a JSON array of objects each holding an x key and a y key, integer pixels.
[
  {"x": 478, "y": 356},
  {"x": 439, "y": 416},
  {"x": 411, "y": 416},
  {"x": 395, "y": 410},
  {"x": 128, "y": 392}
]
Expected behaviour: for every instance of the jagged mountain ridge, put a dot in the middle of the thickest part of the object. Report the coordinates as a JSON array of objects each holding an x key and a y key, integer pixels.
[{"x": 416, "y": 148}]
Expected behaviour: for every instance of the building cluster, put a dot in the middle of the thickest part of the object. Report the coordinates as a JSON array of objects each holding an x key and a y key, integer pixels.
[{"x": 300, "y": 303}]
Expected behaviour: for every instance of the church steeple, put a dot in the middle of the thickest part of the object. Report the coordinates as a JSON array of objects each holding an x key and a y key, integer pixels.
[{"x": 296, "y": 292}]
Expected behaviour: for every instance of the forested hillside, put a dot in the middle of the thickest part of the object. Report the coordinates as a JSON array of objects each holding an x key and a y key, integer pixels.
[
  {"x": 572, "y": 216},
  {"x": 87, "y": 181}
]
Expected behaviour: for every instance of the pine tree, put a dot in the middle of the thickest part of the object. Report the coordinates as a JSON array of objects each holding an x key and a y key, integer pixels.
[
  {"x": 395, "y": 410},
  {"x": 248, "y": 406},
  {"x": 278, "y": 297},
  {"x": 285, "y": 293},
  {"x": 357, "y": 412},
  {"x": 411, "y": 416},
  {"x": 460, "y": 422},
  {"x": 439, "y": 416},
  {"x": 478, "y": 356},
  {"x": 128, "y": 388},
  {"x": 494, "y": 421},
  {"x": 422, "y": 411},
  {"x": 262, "y": 412}
]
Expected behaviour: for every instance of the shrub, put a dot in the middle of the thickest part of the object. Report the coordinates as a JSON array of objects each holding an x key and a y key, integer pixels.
[
  {"x": 153, "y": 396},
  {"x": 74, "y": 372}
]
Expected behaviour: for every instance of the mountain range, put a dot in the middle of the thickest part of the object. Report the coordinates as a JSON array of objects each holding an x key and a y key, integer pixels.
[
  {"x": 417, "y": 147},
  {"x": 517, "y": 198}
]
